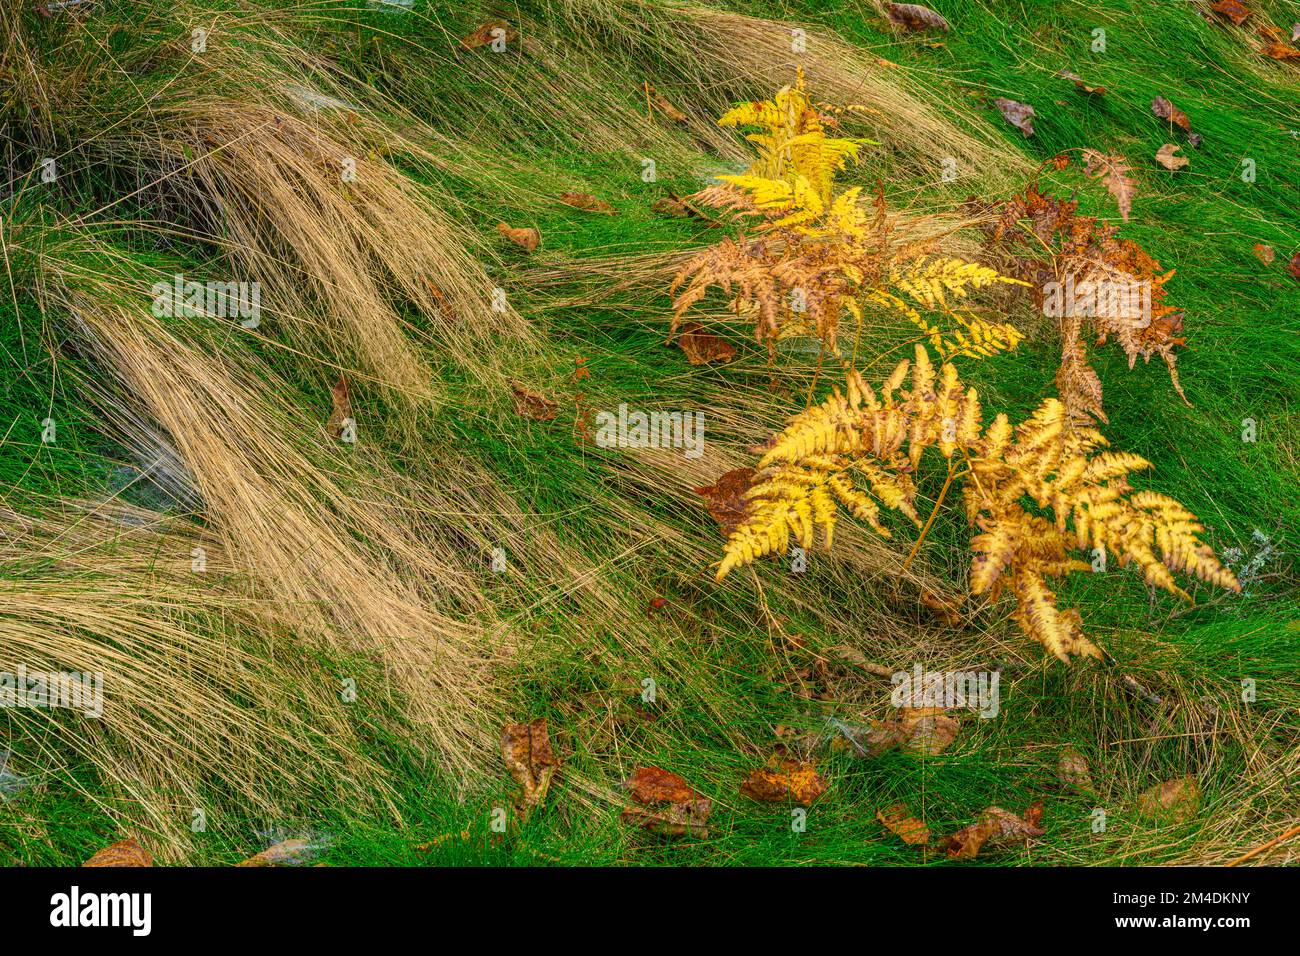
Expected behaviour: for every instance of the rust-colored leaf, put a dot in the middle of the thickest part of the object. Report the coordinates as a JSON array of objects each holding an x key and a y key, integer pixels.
[
  {"x": 1293, "y": 266},
  {"x": 1171, "y": 114},
  {"x": 1172, "y": 801},
  {"x": 916, "y": 18},
  {"x": 1019, "y": 115},
  {"x": 664, "y": 107},
  {"x": 1166, "y": 158},
  {"x": 782, "y": 780},
  {"x": 725, "y": 498},
  {"x": 526, "y": 239},
  {"x": 1072, "y": 770},
  {"x": 1263, "y": 253},
  {"x": 1277, "y": 50},
  {"x": 665, "y": 803},
  {"x": 126, "y": 852},
  {"x": 295, "y": 852},
  {"x": 486, "y": 33},
  {"x": 342, "y": 408},
  {"x": 587, "y": 203},
  {"x": 928, "y": 730},
  {"x": 529, "y": 404},
  {"x": 996, "y": 828},
  {"x": 1080, "y": 85},
  {"x": 1233, "y": 10},
  {"x": 1114, "y": 175},
  {"x": 903, "y": 825},
  {"x": 702, "y": 347},
  {"x": 526, "y": 749}
]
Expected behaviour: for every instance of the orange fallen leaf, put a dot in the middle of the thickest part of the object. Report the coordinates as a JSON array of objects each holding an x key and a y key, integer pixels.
[
  {"x": 702, "y": 347},
  {"x": 671, "y": 206},
  {"x": 487, "y": 32},
  {"x": 342, "y": 408},
  {"x": 1263, "y": 253},
  {"x": 1080, "y": 85},
  {"x": 1171, "y": 114},
  {"x": 664, "y": 803},
  {"x": 296, "y": 852},
  {"x": 526, "y": 749},
  {"x": 126, "y": 852},
  {"x": 903, "y": 825},
  {"x": 1166, "y": 158},
  {"x": 526, "y": 239},
  {"x": 725, "y": 498},
  {"x": 1277, "y": 50},
  {"x": 529, "y": 404},
  {"x": 1234, "y": 10},
  {"x": 587, "y": 203},
  {"x": 1172, "y": 801},
  {"x": 927, "y": 730},
  {"x": 996, "y": 828},
  {"x": 1293, "y": 266},
  {"x": 783, "y": 779},
  {"x": 663, "y": 106}
]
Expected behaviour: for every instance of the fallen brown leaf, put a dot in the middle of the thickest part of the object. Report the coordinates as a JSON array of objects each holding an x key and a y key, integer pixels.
[
  {"x": 1080, "y": 85},
  {"x": 525, "y": 239},
  {"x": 1234, "y": 10},
  {"x": 852, "y": 655},
  {"x": 342, "y": 401},
  {"x": 996, "y": 828},
  {"x": 529, "y": 404},
  {"x": 671, "y": 206},
  {"x": 296, "y": 852},
  {"x": 1072, "y": 770},
  {"x": 1114, "y": 175},
  {"x": 725, "y": 498},
  {"x": 928, "y": 730},
  {"x": 665, "y": 803},
  {"x": 1280, "y": 51},
  {"x": 483, "y": 35},
  {"x": 702, "y": 347},
  {"x": 526, "y": 749},
  {"x": 587, "y": 203},
  {"x": 1293, "y": 266},
  {"x": 783, "y": 779},
  {"x": 1263, "y": 253},
  {"x": 1019, "y": 115},
  {"x": 903, "y": 825},
  {"x": 914, "y": 17},
  {"x": 1165, "y": 110},
  {"x": 1172, "y": 801},
  {"x": 126, "y": 852},
  {"x": 666, "y": 108},
  {"x": 1166, "y": 158}
]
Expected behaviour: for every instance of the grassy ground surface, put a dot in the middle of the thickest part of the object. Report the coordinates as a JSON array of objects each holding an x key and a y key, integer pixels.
[{"x": 594, "y": 536}]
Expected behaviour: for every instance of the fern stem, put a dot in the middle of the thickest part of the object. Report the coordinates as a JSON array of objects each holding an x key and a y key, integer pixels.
[{"x": 943, "y": 493}]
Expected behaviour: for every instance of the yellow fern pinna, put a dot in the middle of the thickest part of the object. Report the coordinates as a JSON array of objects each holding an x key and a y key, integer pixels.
[{"x": 859, "y": 450}]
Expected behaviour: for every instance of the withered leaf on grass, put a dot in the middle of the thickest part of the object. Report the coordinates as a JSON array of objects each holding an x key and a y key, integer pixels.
[
  {"x": 526, "y": 239},
  {"x": 1293, "y": 266},
  {"x": 1114, "y": 175},
  {"x": 664, "y": 107},
  {"x": 1263, "y": 253},
  {"x": 486, "y": 33},
  {"x": 1080, "y": 85},
  {"x": 671, "y": 206},
  {"x": 664, "y": 803},
  {"x": 1171, "y": 114},
  {"x": 702, "y": 347},
  {"x": 903, "y": 825},
  {"x": 342, "y": 411},
  {"x": 526, "y": 749},
  {"x": 1019, "y": 115},
  {"x": 531, "y": 405},
  {"x": 725, "y": 498},
  {"x": 126, "y": 852},
  {"x": 914, "y": 17},
  {"x": 928, "y": 729},
  {"x": 1072, "y": 770},
  {"x": 784, "y": 779},
  {"x": 295, "y": 852},
  {"x": 1166, "y": 158},
  {"x": 1234, "y": 10},
  {"x": 587, "y": 203},
  {"x": 1277, "y": 50},
  {"x": 996, "y": 828},
  {"x": 1172, "y": 801}
]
